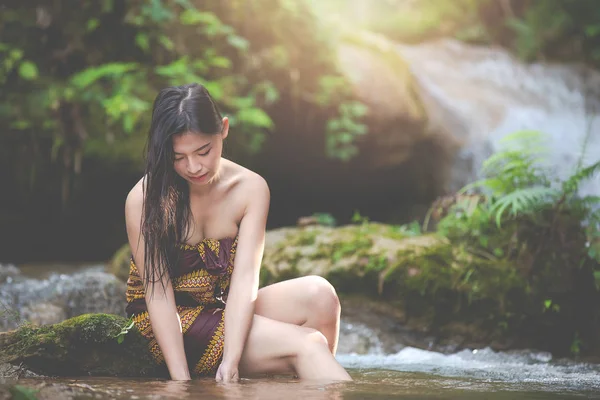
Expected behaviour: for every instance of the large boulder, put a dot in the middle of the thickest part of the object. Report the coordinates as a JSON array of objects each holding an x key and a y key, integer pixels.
[
  {"x": 84, "y": 345},
  {"x": 354, "y": 256},
  {"x": 47, "y": 301}
]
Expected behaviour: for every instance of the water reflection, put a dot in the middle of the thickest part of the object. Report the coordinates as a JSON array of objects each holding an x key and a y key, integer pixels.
[{"x": 368, "y": 384}]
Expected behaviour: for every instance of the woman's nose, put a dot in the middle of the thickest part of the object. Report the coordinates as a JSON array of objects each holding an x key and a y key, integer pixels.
[{"x": 194, "y": 167}]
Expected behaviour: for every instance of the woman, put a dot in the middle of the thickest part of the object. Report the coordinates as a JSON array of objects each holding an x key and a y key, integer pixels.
[{"x": 196, "y": 227}]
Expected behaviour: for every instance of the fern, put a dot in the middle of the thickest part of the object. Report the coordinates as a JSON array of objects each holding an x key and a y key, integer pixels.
[
  {"x": 572, "y": 184},
  {"x": 523, "y": 201},
  {"x": 519, "y": 182},
  {"x": 517, "y": 165}
]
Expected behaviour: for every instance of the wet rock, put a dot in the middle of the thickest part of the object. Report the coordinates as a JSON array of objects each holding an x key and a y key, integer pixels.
[
  {"x": 119, "y": 264},
  {"x": 43, "y": 314},
  {"x": 9, "y": 273},
  {"x": 61, "y": 296},
  {"x": 84, "y": 345},
  {"x": 358, "y": 338},
  {"x": 382, "y": 80}
]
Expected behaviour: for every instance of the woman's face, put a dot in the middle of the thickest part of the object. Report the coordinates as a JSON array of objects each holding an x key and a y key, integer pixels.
[{"x": 198, "y": 155}]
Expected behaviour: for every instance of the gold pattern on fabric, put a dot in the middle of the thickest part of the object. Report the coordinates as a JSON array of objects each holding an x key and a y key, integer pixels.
[
  {"x": 198, "y": 290},
  {"x": 135, "y": 286},
  {"x": 187, "y": 316},
  {"x": 212, "y": 355}
]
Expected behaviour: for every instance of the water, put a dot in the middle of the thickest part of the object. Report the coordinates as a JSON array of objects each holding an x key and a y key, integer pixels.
[
  {"x": 368, "y": 384},
  {"x": 478, "y": 95},
  {"x": 408, "y": 374}
]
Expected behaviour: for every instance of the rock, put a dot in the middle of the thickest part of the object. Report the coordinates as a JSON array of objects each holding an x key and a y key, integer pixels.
[
  {"x": 357, "y": 338},
  {"x": 61, "y": 296},
  {"x": 43, "y": 314},
  {"x": 353, "y": 255},
  {"x": 8, "y": 273},
  {"x": 382, "y": 80},
  {"x": 119, "y": 264},
  {"x": 84, "y": 345}
]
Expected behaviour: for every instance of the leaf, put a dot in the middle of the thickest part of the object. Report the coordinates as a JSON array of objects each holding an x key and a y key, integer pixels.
[
  {"x": 220, "y": 62},
  {"x": 20, "y": 124},
  {"x": 192, "y": 16},
  {"x": 571, "y": 185},
  {"x": 28, "y": 70},
  {"x": 166, "y": 42},
  {"x": 238, "y": 42},
  {"x": 523, "y": 201},
  {"x": 92, "y": 24},
  {"x": 142, "y": 41},
  {"x": 19, "y": 392},
  {"x": 592, "y": 30},
  {"x": 255, "y": 116},
  {"x": 90, "y": 75}
]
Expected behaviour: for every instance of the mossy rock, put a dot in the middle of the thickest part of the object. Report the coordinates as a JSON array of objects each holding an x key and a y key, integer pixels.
[
  {"x": 352, "y": 257},
  {"x": 84, "y": 345},
  {"x": 119, "y": 264}
]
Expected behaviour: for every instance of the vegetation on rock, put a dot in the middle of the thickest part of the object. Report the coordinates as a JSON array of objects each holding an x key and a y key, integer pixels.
[{"x": 85, "y": 345}]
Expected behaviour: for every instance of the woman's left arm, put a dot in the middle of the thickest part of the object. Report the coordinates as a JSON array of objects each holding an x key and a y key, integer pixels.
[{"x": 243, "y": 289}]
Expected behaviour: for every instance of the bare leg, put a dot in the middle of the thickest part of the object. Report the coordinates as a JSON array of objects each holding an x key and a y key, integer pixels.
[
  {"x": 309, "y": 301},
  {"x": 278, "y": 347}
]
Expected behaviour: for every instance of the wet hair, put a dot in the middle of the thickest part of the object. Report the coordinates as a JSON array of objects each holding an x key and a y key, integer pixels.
[{"x": 166, "y": 209}]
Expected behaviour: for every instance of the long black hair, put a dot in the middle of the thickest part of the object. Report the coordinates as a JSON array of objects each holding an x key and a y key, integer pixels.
[{"x": 166, "y": 210}]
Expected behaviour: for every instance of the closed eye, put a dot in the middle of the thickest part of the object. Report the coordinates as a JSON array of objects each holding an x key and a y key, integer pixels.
[{"x": 205, "y": 153}]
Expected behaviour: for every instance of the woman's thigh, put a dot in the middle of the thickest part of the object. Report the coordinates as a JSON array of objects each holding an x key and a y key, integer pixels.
[
  {"x": 291, "y": 301},
  {"x": 271, "y": 346}
]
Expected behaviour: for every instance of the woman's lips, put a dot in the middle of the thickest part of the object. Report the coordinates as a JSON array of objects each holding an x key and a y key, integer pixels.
[{"x": 200, "y": 178}]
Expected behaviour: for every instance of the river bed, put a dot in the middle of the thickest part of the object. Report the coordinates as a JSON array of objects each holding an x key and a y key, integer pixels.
[{"x": 408, "y": 374}]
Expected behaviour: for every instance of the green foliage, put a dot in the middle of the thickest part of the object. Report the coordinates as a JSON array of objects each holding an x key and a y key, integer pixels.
[
  {"x": 540, "y": 228},
  {"x": 533, "y": 30},
  {"x": 325, "y": 219},
  {"x": 124, "y": 330},
  {"x": 88, "y": 92},
  {"x": 520, "y": 189},
  {"x": 19, "y": 392},
  {"x": 343, "y": 130},
  {"x": 357, "y": 218},
  {"x": 576, "y": 345}
]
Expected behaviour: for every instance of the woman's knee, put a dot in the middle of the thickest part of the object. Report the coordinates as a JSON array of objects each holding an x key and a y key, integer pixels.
[
  {"x": 311, "y": 342},
  {"x": 322, "y": 297}
]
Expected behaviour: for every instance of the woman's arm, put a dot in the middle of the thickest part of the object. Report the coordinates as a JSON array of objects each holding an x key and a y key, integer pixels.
[
  {"x": 164, "y": 318},
  {"x": 244, "y": 280}
]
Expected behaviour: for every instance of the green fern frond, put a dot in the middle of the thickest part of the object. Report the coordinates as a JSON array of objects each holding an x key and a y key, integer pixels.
[
  {"x": 590, "y": 201},
  {"x": 571, "y": 185},
  {"x": 523, "y": 201},
  {"x": 482, "y": 183},
  {"x": 516, "y": 165}
]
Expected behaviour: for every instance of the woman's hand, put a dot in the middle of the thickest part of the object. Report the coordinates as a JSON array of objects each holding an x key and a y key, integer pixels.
[{"x": 227, "y": 372}]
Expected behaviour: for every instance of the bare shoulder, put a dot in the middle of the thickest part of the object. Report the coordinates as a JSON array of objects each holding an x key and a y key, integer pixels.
[
  {"x": 135, "y": 200},
  {"x": 243, "y": 179},
  {"x": 246, "y": 184}
]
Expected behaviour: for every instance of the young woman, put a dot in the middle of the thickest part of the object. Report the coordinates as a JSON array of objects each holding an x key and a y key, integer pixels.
[{"x": 196, "y": 227}]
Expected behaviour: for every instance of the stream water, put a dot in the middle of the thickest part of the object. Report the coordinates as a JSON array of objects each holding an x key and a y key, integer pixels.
[{"x": 410, "y": 373}]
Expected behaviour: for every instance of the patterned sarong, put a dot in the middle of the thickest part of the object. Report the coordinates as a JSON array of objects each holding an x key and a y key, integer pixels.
[{"x": 200, "y": 283}]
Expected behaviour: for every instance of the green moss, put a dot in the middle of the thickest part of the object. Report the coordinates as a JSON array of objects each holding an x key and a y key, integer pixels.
[
  {"x": 119, "y": 265},
  {"x": 304, "y": 238},
  {"x": 85, "y": 344},
  {"x": 355, "y": 245}
]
